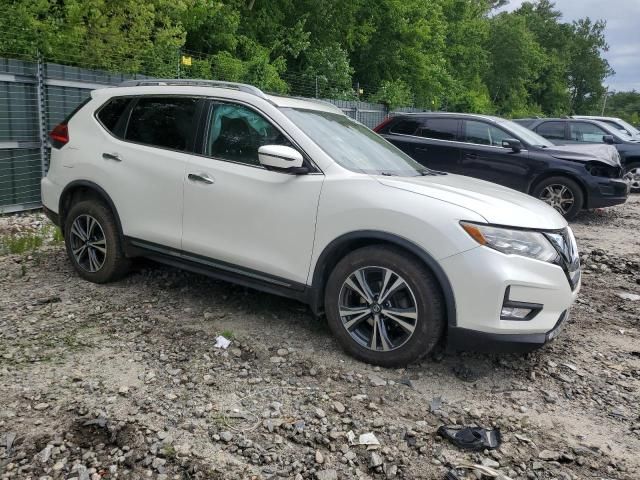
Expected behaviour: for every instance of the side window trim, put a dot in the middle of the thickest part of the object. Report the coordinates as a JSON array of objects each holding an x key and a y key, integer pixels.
[{"x": 203, "y": 128}]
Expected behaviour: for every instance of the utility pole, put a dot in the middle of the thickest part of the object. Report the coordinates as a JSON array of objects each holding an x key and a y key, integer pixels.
[{"x": 604, "y": 103}]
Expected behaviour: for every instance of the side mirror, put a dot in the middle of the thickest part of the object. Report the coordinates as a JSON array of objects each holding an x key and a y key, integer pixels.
[
  {"x": 513, "y": 144},
  {"x": 608, "y": 139},
  {"x": 282, "y": 158}
]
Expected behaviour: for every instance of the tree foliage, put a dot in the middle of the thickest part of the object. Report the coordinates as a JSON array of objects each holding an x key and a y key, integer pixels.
[{"x": 437, "y": 54}]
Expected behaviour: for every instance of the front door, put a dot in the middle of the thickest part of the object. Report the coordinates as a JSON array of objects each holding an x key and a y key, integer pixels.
[
  {"x": 241, "y": 215},
  {"x": 483, "y": 156}
]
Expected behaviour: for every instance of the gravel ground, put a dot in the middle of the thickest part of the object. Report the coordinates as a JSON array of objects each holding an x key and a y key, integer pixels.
[{"x": 124, "y": 380}]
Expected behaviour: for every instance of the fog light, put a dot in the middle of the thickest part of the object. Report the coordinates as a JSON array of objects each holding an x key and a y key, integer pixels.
[
  {"x": 514, "y": 313},
  {"x": 522, "y": 311}
]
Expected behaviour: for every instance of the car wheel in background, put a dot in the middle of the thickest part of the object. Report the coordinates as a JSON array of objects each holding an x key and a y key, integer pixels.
[
  {"x": 93, "y": 243},
  {"x": 562, "y": 193},
  {"x": 632, "y": 175},
  {"x": 384, "y": 306}
]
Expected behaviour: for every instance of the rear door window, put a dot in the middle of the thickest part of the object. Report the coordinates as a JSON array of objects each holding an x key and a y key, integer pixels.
[
  {"x": 440, "y": 129},
  {"x": 481, "y": 133},
  {"x": 405, "y": 127},
  {"x": 552, "y": 130},
  {"x": 586, "y": 132},
  {"x": 167, "y": 122}
]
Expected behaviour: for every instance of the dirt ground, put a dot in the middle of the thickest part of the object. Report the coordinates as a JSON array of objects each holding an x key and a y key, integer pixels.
[{"x": 124, "y": 381}]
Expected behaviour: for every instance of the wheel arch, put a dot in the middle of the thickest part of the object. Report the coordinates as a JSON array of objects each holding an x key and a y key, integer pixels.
[
  {"x": 81, "y": 190},
  {"x": 562, "y": 173},
  {"x": 349, "y": 242}
]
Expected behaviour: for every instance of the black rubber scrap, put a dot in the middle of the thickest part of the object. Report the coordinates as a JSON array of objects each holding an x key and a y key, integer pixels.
[{"x": 472, "y": 438}]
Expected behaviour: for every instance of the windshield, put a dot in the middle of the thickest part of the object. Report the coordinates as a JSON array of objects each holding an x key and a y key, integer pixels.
[
  {"x": 352, "y": 145},
  {"x": 529, "y": 136},
  {"x": 628, "y": 128}
]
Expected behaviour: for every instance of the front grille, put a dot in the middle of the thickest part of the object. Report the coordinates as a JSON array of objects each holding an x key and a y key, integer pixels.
[{"x": 568, "y": 258}]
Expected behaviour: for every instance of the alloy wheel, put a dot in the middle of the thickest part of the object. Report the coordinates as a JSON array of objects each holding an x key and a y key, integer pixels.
[
  {"x": 378, "y": 308},
  {"x": 558, "y": 196},
  {"x": 88, "y": 243},
  {"x": 633, "y": 177}
]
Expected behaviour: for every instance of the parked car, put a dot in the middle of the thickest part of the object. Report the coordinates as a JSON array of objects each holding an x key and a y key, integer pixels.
[
  {"x": 500, "y": 151},
  {"x": 569, "y": 131},
  {"x": 292, "y": 197},
  {"x": 624, "y": 127}
]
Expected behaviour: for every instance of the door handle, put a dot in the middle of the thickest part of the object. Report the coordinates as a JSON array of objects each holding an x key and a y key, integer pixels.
[
  {"x": 471, "y": 156},
  {"x": 422, "y": 149},
  {"x": 112, "y": 156},
  {"x": 200, "y": 177}
]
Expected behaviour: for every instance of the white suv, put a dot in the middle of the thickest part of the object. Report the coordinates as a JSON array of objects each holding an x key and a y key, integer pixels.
[{"x": 292, "y": 197}]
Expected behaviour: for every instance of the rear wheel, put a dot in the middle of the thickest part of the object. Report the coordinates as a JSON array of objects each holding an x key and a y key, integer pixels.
[
  {"x": 93, "y": 243},
  {"x": 384, "y": 307},
  {"x": 632, "y": 175},
  {"x": 562, "y": 193}
]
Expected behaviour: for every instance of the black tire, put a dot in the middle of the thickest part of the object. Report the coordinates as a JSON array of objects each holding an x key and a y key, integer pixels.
[
  {"x": 113, "y": 263},
  {"x": 540, "y": 191},
  {"x": 422, "y": 287},
  {"x": 632, "y": 173}
]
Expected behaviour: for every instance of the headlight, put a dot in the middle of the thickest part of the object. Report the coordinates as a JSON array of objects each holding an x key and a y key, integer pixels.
[{"x": 512, "y": 242}]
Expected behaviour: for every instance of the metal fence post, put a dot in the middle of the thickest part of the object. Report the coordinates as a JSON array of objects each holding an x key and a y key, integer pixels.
[
  {"x": 42, "y": 113},
  {"x": 316, "y": 86},
  {"x": 355, "y": 113}
]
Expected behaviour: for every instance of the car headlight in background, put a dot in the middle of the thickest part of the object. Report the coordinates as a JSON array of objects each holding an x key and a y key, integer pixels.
[{"x": 512, "y": 242}]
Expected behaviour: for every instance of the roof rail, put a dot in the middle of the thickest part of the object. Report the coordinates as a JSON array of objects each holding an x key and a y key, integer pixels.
[{"x": 243, "y": 87}]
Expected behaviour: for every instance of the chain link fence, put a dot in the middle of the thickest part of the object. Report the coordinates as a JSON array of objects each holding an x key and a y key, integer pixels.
[{"x": 37, "y": 93}]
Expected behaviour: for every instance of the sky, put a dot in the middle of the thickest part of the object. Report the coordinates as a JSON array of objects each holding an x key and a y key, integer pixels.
[{"x": 622, "y": 34}]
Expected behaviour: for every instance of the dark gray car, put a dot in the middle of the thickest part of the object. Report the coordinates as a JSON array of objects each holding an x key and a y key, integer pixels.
[{"x": 567, "y": 131}]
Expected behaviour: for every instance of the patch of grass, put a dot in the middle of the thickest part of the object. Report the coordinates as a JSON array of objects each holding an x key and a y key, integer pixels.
[
  {"x": 30, "y": 242},
  {"x": 169, "y": 451},
  {"x": 17, "y": 244},
  {"x": 228, "y": 334}
]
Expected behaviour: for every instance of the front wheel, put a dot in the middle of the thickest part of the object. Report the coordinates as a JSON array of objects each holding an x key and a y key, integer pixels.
[
  {"x": 632, "y": 175},
  {"x": 384, "y": 307},
  {"x": 562, "y": 193}
]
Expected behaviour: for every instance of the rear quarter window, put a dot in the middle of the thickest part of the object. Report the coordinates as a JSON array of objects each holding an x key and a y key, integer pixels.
[
  {"x": 110, "y": 115},
  {"x": 405, "y": 127}
]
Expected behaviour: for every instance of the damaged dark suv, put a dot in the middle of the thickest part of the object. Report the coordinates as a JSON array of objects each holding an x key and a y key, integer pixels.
[{"x": 569, "y": 178}]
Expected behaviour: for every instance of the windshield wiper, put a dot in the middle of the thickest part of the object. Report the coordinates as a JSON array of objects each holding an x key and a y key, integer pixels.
[{"x": 388, "y": 174}]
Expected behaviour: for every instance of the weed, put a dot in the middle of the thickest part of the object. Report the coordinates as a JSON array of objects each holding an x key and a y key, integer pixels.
[
  {"x": 228, "y": 334},
  {"x": 12, "y": 244}
]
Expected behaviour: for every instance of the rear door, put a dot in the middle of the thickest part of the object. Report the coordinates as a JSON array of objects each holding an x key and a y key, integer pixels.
[
  {"x": 439, "y": 148},
  {"x": 483, "y": 155},
  {"x": 143, "y": 163}
]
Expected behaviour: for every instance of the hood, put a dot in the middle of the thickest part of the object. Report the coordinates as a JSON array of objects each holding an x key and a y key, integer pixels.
[
  {"x": 497, "y": 204},
  {"x": 592, "y": 152}
]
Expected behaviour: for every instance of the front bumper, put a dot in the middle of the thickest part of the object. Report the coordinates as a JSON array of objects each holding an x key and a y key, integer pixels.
[
  {"x": 479, "y": 279},
  {"x": 473, "y": 340},
  {"x": 608, "y": 193}
]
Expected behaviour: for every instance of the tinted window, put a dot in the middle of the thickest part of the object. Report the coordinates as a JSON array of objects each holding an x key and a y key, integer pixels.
[
  {"x": 405, "y": 127},
  {"x": 553, "y": 130},
  {"x": 586, "y": 132},
  {"x": 236, "y": 132},
  {"x": 440, "y": 128},
  {"x": 110, "y": 113},
  {"x": 163, "y": 122},
  {"x": 484, "y": 134}
]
